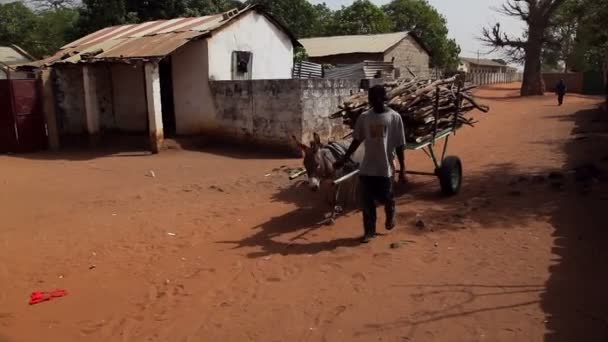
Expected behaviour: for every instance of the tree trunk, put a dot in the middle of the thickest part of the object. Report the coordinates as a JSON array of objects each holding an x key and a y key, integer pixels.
[{"x": 533, "y": 79}]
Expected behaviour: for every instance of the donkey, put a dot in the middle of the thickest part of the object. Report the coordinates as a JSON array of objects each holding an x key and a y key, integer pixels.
[{"x": 319, "y": 162}]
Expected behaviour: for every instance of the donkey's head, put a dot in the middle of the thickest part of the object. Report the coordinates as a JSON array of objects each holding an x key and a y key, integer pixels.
[{"x": 317, "y": 162}]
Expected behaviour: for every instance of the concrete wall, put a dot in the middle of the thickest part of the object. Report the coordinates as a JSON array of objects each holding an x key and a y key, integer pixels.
[
  {"x": 574, "y": 81},
  {"x": 103, "y": 87},
  {"x": 193, "y": 101},
  {"x": 321, "y": 98},
  {"x": 271, "y": 111},
  {"x": 69, "y": 99},
  {"x": 271, "y": 47},
  {"x": 408, "y": 53},
  {"x": 120, "y": 93},
  {"x": 485, "y": 78},
  {"x": 129, "y": 94},
  {"x": 264, "y": 111}
]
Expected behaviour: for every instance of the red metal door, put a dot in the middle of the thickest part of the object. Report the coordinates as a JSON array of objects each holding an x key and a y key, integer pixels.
[
  {"x": 8, "y": 138},
  {"x": 24, "y": 118}
]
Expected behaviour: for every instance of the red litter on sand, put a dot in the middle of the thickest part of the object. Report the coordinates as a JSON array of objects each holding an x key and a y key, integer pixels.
[{"x": 39, "y": 297}]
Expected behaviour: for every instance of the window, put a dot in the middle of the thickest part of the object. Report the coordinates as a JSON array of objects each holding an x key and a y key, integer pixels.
[{"x": 242, "y": 62}]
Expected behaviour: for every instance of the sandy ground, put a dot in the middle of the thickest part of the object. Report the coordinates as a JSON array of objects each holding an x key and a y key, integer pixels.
[{"x": 220, "y": 246}]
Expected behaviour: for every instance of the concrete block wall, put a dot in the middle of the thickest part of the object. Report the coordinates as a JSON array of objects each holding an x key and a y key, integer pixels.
[
  {"x": 69, "y": 96},
  {"x": 272, "y": 111},
  {"x": 320, "y": 98},
  {"x": 130, "y": 109},
  {"x": 408, "y": 53},
  {"x": 120, "y": 94},
  {"x": 574, "y": 81}
]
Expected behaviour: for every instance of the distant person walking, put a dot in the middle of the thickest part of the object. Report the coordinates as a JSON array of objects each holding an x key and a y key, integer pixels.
[{"x": 560, "y": 90}]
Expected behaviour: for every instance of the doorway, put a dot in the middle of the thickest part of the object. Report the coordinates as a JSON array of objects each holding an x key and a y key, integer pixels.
[{"x": 166, "y": 96}]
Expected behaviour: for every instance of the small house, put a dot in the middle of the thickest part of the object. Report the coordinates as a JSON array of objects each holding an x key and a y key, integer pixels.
[
  {"x": 11, "y": 56},
  {"x": 404, "y": 49},
  {"x": 155, "y": 77},
  {"x": 480, "y": 65}
]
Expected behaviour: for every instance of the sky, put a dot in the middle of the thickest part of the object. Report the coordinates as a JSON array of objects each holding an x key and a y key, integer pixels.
[{"x": 466, "y": 18}]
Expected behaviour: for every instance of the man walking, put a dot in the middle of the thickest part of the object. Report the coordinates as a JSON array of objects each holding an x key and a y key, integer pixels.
[
  {"x": 560, "y": 89},
  {"x": 382, "y": 132}
]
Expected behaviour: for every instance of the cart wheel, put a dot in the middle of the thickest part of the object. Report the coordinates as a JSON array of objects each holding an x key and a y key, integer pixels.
[{"x": 450, "y": 175}]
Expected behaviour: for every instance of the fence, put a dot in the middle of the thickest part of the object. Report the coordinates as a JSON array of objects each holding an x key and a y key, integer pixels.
[
  {"x": 307, "y": 70},
  {"x": 486, "y": 78}
]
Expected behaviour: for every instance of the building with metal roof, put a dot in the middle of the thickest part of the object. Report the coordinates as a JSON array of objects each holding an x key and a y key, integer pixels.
[
  {"x": 10, "y": 56},
  {"x": 481, "y": 65},
  {"x": 404, "y": 49},
  {"x": 154, "y": 77}
]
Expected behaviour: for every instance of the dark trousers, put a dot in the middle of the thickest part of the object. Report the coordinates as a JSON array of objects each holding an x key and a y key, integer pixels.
[
  {"x": 376, "y": 189},
  {"x": 560, "y": 98}
]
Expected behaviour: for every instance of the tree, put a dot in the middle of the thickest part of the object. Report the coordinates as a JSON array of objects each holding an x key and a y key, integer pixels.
[
  {"x": 362, "y": 17},
  {"x": 147, "y": 10},
  {"x": 18, "y": 21},
  {"x": 300, "y": 16},
  {"x": 196, "y": 8},
  {"x": 98, "y": 14},
  {"x": 55, "y": 29},
  {"x": 538, "y": 16},
  {"x": 52, "y": 4},
  {"x": 420, "y": 17},
  {"x": 40, "y": 33},
  {"x": 591, "y": 42},
  {"x": 561, "y": 36}
]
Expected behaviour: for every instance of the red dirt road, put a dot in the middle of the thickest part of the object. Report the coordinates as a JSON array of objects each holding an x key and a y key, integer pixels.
[{"x": 219, "y": 247}]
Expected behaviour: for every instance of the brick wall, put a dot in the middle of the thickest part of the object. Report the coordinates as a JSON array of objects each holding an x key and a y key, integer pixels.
[{"x": 408, "y": 53}]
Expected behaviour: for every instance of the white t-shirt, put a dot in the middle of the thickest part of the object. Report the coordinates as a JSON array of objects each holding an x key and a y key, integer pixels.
[{"x": 381, "y": 134}]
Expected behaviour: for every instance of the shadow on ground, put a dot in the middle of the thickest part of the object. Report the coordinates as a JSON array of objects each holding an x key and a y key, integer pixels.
[
  {"x": 576, "y": 295},
  {"x": 572, "y": 196}
]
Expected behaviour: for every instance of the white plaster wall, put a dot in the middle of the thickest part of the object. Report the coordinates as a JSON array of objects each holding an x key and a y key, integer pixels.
[
  {"x": 193, "y": 101},
  {"x": 130, "y": 108},
  {"x": 271, "y": 47}
]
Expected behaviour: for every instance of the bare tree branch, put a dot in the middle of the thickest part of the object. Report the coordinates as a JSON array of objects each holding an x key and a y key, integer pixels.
[
  {"x": 495, "y": 37},
  {"x": 514, "y": 8}
]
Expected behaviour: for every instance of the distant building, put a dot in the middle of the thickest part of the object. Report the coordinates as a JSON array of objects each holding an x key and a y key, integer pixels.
[
  {"x": 480, "y": 65},
  {"x": 10, "y": 56},
  {"x": 404, "y": 49}
]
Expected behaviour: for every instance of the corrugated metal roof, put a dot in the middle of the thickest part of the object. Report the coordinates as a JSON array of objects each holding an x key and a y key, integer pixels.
[
  {"x": 364, "y": 70},
  {"x": 482, "y": 62},
  {"x": 149, "y": 40},
  {"x": 307, "y": 70},
  {"x": 13, "y": 55},
  {"x": 338, "y": 45}
]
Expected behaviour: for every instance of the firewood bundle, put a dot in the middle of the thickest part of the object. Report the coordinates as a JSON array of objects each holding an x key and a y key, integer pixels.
[{"x": 426, "y": 106}]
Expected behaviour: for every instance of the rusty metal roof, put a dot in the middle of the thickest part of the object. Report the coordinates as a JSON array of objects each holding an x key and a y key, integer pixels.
[{"x": 149, "y": 40}]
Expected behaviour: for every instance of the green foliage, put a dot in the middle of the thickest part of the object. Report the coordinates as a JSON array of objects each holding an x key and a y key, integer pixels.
[
  {"x": 420, "y": 17},
  {"x": 197, "y": 8},
  {"x": 299, "y": 54},
  {"x": 577, "y": 39},
  {"x": 362, "y": 17},
  {"x": 302, "y": 18},
  {"x": 98, "y": 14},
  {"x": 39, "y": 33}
]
